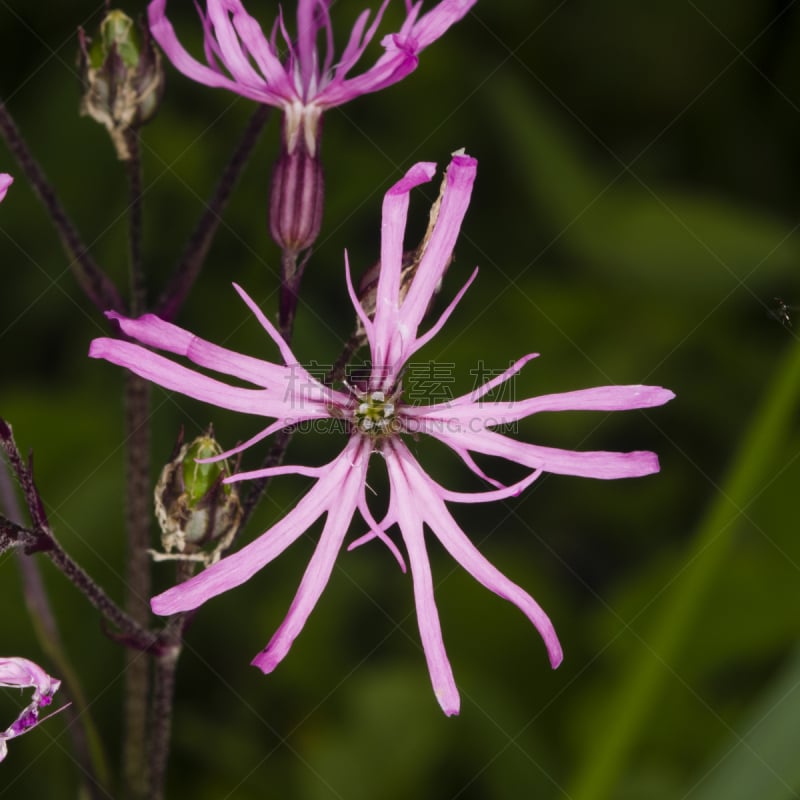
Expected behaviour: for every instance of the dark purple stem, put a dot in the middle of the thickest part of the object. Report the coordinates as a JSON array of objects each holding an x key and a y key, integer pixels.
[
  {"x": 95, "y": 774},
  {"x": 139, "y": 504},
  {"x": 41, "y": 540},
  {"x": 291, "y": 275},
  {"x": 97, "y": 286},
  {"x": 134, "y": 169},
  {"x": 194, "y": 256},
  {"x": 164, "y": 691}
]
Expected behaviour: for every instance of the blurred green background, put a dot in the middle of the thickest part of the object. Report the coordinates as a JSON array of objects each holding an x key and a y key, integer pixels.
[{"x": 634, "y": 218}]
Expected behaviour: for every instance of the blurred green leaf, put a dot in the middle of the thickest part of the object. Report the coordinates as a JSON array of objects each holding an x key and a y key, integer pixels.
[
  {"x": 627, "y": 226},
  {"x": 760, "y": 757}
]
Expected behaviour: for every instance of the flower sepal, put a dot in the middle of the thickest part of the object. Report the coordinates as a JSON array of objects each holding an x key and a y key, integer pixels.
[{"x": 297, "y": 192}]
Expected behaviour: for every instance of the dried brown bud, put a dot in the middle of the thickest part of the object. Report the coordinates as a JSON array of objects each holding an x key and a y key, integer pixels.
[{"x": 123, "y": 80}]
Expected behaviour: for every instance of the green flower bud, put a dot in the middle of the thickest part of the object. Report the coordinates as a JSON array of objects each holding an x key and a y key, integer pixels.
[
  {"x": 199, "y": 514},
  {"x": 123, "y": 80}
]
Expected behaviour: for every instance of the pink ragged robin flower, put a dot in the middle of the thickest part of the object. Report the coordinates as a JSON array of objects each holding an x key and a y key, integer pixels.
[
  {"x": 302, "y": 79},
  {"x": 21, "y": 673},
  {"x": 295, "y": 74},
  {"x": 378, "y": 420}
]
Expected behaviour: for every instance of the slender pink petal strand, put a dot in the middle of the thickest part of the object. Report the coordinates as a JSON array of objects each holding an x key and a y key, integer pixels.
[
  {"x": 584, "y": 464},
  {"x": 435, "y": 23},
  {"x": 235, "y": 569},
  {"x": 166, "y": 373},
  {"x": 601, "y": 398},
  {"x": 359, "y": 40},
  {"x": 441, "y": 522},
  {"x": 487, "y": 387},
  {"x": 471, "y": 559},
  {"x": 259, "y": 48},
  {"x": 462, "y": 413},
  {"x": 340, "y": 512},
  {"x": 307, "y": 55},
  {"x": 240, "y": 448},
  {"x": 325, "y": 16},
  {"x": 211, "y": 47},
  {"x": 377, "y": 531},
  {"x": 386, "y": 341},
  {"x": 402, "y": 50},
  {"x": 393, "y": 229},
  {"x": 5, "y": 181},
  {"x": 391, "y": 68},
  {"x": 269, "y": 472},
  {"x": 488, "y": 496},
  {"x": 443, "y": 317},
  {"x": 285, "y": 350},
  {"x": 470, "y": 462},
  {"x": 235, "y": 59},
  {"x": 351, "y": 290},
  {"x": 430, "y": 629},
  {"x": 154, "y": 332},
  {"x": 164, "y": 34}
]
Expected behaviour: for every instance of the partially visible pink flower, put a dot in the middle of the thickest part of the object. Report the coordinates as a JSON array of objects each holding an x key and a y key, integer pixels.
[
  {"x": 5, "y": 181},
  {"x": 21, "y": 673},
  {"x": 294, "y": 74},
  {"x": 378, "y": 419}
]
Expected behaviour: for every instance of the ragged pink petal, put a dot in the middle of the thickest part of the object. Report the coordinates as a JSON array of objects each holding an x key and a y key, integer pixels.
[
  {"x": 406, "y": 474},
  {"x": 410, "y": 520},
  {"x": 152, "y": 331},
  {"x": 166, "y": 373},
  {"x": 340, "y": 512},
  {"x": 606, "y": 465}
]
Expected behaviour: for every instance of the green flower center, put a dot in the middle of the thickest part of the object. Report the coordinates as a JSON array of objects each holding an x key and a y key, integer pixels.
[{"x": 376, "y": 415}]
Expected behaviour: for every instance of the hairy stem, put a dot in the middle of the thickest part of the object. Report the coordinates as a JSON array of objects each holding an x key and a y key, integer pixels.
[
  {"x": 139, "y": 504},
  {"x": 163, "y": 700},
  {"x": 164, "y": 691},
  {"x": 287, "y": 305},
  {"x": 138, "y": 582},
  {"x": 134, "y": 169}
]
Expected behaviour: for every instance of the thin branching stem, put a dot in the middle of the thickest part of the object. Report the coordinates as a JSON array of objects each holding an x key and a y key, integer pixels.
[
  {"x": 96, "y": 285},
  {"x": 86, "y": 743},
  {"x": 194, "y": 256}
]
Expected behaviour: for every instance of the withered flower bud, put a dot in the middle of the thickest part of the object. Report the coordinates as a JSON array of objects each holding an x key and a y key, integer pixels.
[
  {"x": 123, "y": 79},
  {"x": 199, "y": 514}
]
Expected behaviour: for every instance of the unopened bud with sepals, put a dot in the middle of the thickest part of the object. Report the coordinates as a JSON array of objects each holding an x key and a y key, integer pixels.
[
  {"x": 199, "y": 514},
  {"x": 123, "y": 79}
]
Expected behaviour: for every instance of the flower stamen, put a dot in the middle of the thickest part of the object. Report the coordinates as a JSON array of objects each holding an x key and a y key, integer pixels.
[{"x": 376, "y": 415}]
